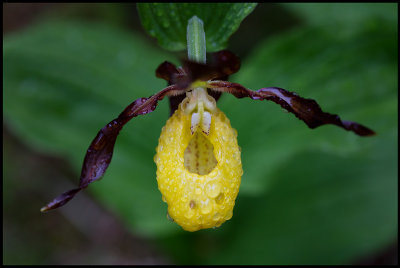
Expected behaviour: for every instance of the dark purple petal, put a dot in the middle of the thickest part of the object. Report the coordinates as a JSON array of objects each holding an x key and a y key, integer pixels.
[
  {"x": 60, "y": 200},
  {"x": 307, "y": 110},
  {"x": 166, "y": 70},
  {"x": 222, "y": 64},
  {"x": 227, "y": 62},
  {"x": 173, "y": 75},
  {"x": 100, "y": 151}
]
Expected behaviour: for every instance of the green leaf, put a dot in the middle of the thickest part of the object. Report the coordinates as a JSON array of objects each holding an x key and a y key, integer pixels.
[
  {"x": 317, "y": 215},
  {"x": 168, "y": 22},
  {"x": 334, "y": 13},
  {"x": 321, "y": 196},
  {"x": 346, "y": 83},
  {"x": 63, "y": 81}
]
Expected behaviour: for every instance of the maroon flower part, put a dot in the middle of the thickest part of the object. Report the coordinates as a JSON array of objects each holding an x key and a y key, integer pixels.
[
  {"x": 307, "y": 110},
  {"x": 100, "y": 151},
  {"x": 181, "y": 81}
]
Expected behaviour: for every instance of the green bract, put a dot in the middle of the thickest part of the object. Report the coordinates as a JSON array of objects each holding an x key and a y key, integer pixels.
[{"x": 168, "y": 22}]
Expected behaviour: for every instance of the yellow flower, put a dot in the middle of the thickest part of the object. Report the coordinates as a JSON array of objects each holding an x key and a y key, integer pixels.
[
  {"x": 198, "y": 173},
  {"x": 198, "y": 160}
]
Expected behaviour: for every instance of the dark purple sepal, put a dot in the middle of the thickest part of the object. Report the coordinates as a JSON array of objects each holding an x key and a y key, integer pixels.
[
  {"x": 220, "y": 65},
  {"x": 100, "y": 151},
  {"x": 306, "y": 110}
]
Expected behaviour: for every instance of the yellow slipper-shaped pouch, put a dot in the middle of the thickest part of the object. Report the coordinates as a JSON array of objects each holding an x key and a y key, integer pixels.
[{"x": 198, "y": 174}]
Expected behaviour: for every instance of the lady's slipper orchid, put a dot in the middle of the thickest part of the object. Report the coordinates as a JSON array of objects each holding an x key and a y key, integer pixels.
[{"x": 198, "y": 158}]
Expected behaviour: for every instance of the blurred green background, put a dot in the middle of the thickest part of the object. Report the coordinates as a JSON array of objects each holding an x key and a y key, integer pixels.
[{"x": 322, "y": 196}]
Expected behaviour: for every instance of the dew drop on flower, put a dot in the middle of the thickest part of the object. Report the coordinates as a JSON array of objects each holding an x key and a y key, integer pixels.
[
  {"x": 206, "y": 206},
  {"x": 220, "y": 198},
  {"x": 189, "y": 213},
  {"x": 229, "y": 215},
  {"x": 216, "y": 216},
  {"x": 213, "y": 189},
  {"x": 197, "y": 191}
]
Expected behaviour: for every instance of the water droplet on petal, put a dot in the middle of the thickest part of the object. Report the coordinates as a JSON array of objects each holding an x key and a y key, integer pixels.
[
  {"x": 206, "y": 207},
  {"x": 229, "y": 215},
  {"x": 189, "y": 213},
  {"x": 220, "y": 198},
  {"x": 197, "y": 191},
  {"x": 216, "y": 216},
  {"x": 184, "y": 198},
  {"x": 213, "y": 189}
]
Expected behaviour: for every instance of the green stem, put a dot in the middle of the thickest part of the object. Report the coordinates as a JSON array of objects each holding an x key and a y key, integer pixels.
[{"x": 196, "y": 40}]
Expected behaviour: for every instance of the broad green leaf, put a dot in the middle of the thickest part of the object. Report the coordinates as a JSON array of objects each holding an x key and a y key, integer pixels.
[
  {"x": 317, "y": 215},
  {"x": 63, "y": 81},
  {"x": 346, "y": 83},
  {"x": 168, "y": 22},
  {"x": 322, "y": 196}
]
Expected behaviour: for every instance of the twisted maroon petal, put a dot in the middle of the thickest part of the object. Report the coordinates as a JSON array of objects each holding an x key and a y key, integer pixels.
[
  {"x": 306, "y": 110},
  {"x": 100, "y": 151}
]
